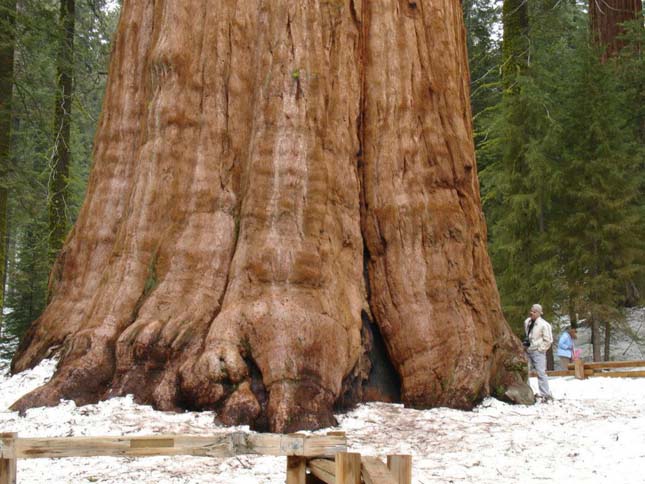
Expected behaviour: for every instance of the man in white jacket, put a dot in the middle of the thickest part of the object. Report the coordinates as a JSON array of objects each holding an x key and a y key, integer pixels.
[{"x": 539, "y": 338}]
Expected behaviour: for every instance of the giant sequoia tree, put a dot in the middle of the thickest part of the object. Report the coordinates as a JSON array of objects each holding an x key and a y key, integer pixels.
[
  {"x": 607, "y": 17},
  {"x": 272, "y": 181}
]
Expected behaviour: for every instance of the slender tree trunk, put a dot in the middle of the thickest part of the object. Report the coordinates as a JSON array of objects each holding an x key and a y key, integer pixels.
[
  {"x": 4, "y": 199},
  {"x": 249, "y": 159},
  {"x": 59, "y": 176},
  {"x": 7, "y": 44},
  {"x": 515, "y": 41},
  {"x": 607, "y": 341},
  {"x": 595, "y": 338},
  {"x": 606, "y": 17}
]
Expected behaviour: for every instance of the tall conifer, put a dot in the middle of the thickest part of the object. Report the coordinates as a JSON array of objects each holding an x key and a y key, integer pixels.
[
  {"x": 562, "y": 197},
  {"x": 7, "y": 45},
  {"x": 61, "y": 160}
]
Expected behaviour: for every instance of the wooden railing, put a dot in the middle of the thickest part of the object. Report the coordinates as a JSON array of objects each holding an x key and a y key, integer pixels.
[
  {"x": 584, "y": 369},
  {"x": 324, "y": 456},
  {"x": 348, "y": 468}
]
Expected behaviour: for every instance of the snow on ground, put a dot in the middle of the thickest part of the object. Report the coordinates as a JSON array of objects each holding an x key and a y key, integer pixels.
[{"x": 594, "y": 432}]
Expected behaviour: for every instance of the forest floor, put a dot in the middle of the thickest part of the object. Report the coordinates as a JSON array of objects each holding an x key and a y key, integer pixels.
[{"x": 593, "y": 432}]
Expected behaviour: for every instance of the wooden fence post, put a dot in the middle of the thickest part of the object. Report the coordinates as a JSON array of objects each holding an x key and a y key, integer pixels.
[
  {"x": 401, "y": 468},
  {"x": 8, "y": 458},
  {"x": 348, "y": 468},
  {"x": 579, "y": 369},
  {"x": 296, "y": 469}
]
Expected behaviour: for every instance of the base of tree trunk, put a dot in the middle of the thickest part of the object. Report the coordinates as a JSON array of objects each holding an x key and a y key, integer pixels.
[{"x": 283, "y": 217}]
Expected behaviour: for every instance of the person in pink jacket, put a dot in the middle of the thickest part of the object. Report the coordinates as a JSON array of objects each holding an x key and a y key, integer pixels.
[{"x": 539, "y": 339}]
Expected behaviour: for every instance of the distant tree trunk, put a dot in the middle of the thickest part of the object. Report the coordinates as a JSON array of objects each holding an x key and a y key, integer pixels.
[
  {"x": 7, "y": 45},
  {"x": 595, "y": 338},
  {"x": 550, "y": 363},
  {"x": 607, "y": 340},
  {"x": 4, "y": 202},
  {"x": 515, "y": 41},
  {"x": 606, "y": 17},
  {"x": 59, "y": 176},
  {"x": 250, "y": 157}
]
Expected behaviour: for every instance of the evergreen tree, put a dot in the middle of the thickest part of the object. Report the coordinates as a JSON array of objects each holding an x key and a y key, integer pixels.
[
  {"x": 26, "y": 295},
  {"x": 61, "y": 159},
  {"x": 598, "y": 227},
  {"x": 482, "y": 18},
  {"x": 34, "y": 85},
  {"x": 7, "y": 46},
  {"x": 563, "y": 192},
  {"x": 515, "y": 192},
  {"x": 31, "y": 148}
]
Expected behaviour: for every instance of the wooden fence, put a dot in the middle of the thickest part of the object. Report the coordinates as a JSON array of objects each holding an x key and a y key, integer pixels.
[
  {"x": 584, "y": 369},
  {"x": 310, "y": 458}
]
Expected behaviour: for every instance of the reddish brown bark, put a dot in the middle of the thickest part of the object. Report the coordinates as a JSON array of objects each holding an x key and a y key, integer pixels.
[
  {"x": 249, "y": 158},
  {"x": 606, "y": 19}
]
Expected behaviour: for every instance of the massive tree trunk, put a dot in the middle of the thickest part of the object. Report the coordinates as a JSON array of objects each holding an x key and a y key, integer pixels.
[
  {"x": 606, "y": 19},
  {"x": 270, "y": 180}
]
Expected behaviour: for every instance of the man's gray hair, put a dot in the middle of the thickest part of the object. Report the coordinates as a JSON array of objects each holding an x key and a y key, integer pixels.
[{"x": 538, "y": 308}]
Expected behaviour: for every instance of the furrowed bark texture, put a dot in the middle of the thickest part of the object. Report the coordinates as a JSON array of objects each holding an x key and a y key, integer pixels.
[
  {"x": 250, "y": 156},
  {"x": 606, "y": 17}
]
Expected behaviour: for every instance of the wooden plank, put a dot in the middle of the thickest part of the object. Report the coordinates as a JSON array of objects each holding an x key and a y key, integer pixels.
[
  {"x": 562, "y": 373},
  {"x": 620, "y": 374},
  {"x": 376, "y": 472},
  {"x": 401, "y": 468},
  {"x": 8, "y": 467},
  {"x": 348, "y": 468},
  {"x": 325, "y": 445},
  {"x": 323, "y": 469},
  {"x": 610, "y": 364},
  {"x": 222, "y": 445},
  {"x": 152, "y": 443},
  {"x": 296, "y": 444},
  {"x": 274, "y": 444},
  {"x": 558, "y": 373},
  {"x": 296, "y": 470},
  {"x": 555, "y": 373},
  {"x": 7, "y": 449}
]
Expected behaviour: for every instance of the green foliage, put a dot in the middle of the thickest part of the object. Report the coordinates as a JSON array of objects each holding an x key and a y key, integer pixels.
[
  {"x": 515, "y": 47},
  {"x": 563, "y": 185},
  {"x": 32, "y": 138},
  {"x": 28, "y": 283},
  {"x": 7, "y": 46},
  {"x": 482, "y": 17}
]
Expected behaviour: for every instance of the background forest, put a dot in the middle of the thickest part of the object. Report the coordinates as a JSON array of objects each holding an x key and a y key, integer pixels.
[{"x": 559, "y": 113}]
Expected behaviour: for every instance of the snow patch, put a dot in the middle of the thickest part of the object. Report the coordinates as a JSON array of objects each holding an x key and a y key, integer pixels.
[{"x": 593, "y": 432}]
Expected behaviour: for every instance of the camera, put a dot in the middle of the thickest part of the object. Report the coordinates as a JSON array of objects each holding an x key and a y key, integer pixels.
[{"x": 526, "y": 342}]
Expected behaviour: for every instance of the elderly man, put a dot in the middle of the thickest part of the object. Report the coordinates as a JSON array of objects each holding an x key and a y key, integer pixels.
[{"x": 539, "y": 339}]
